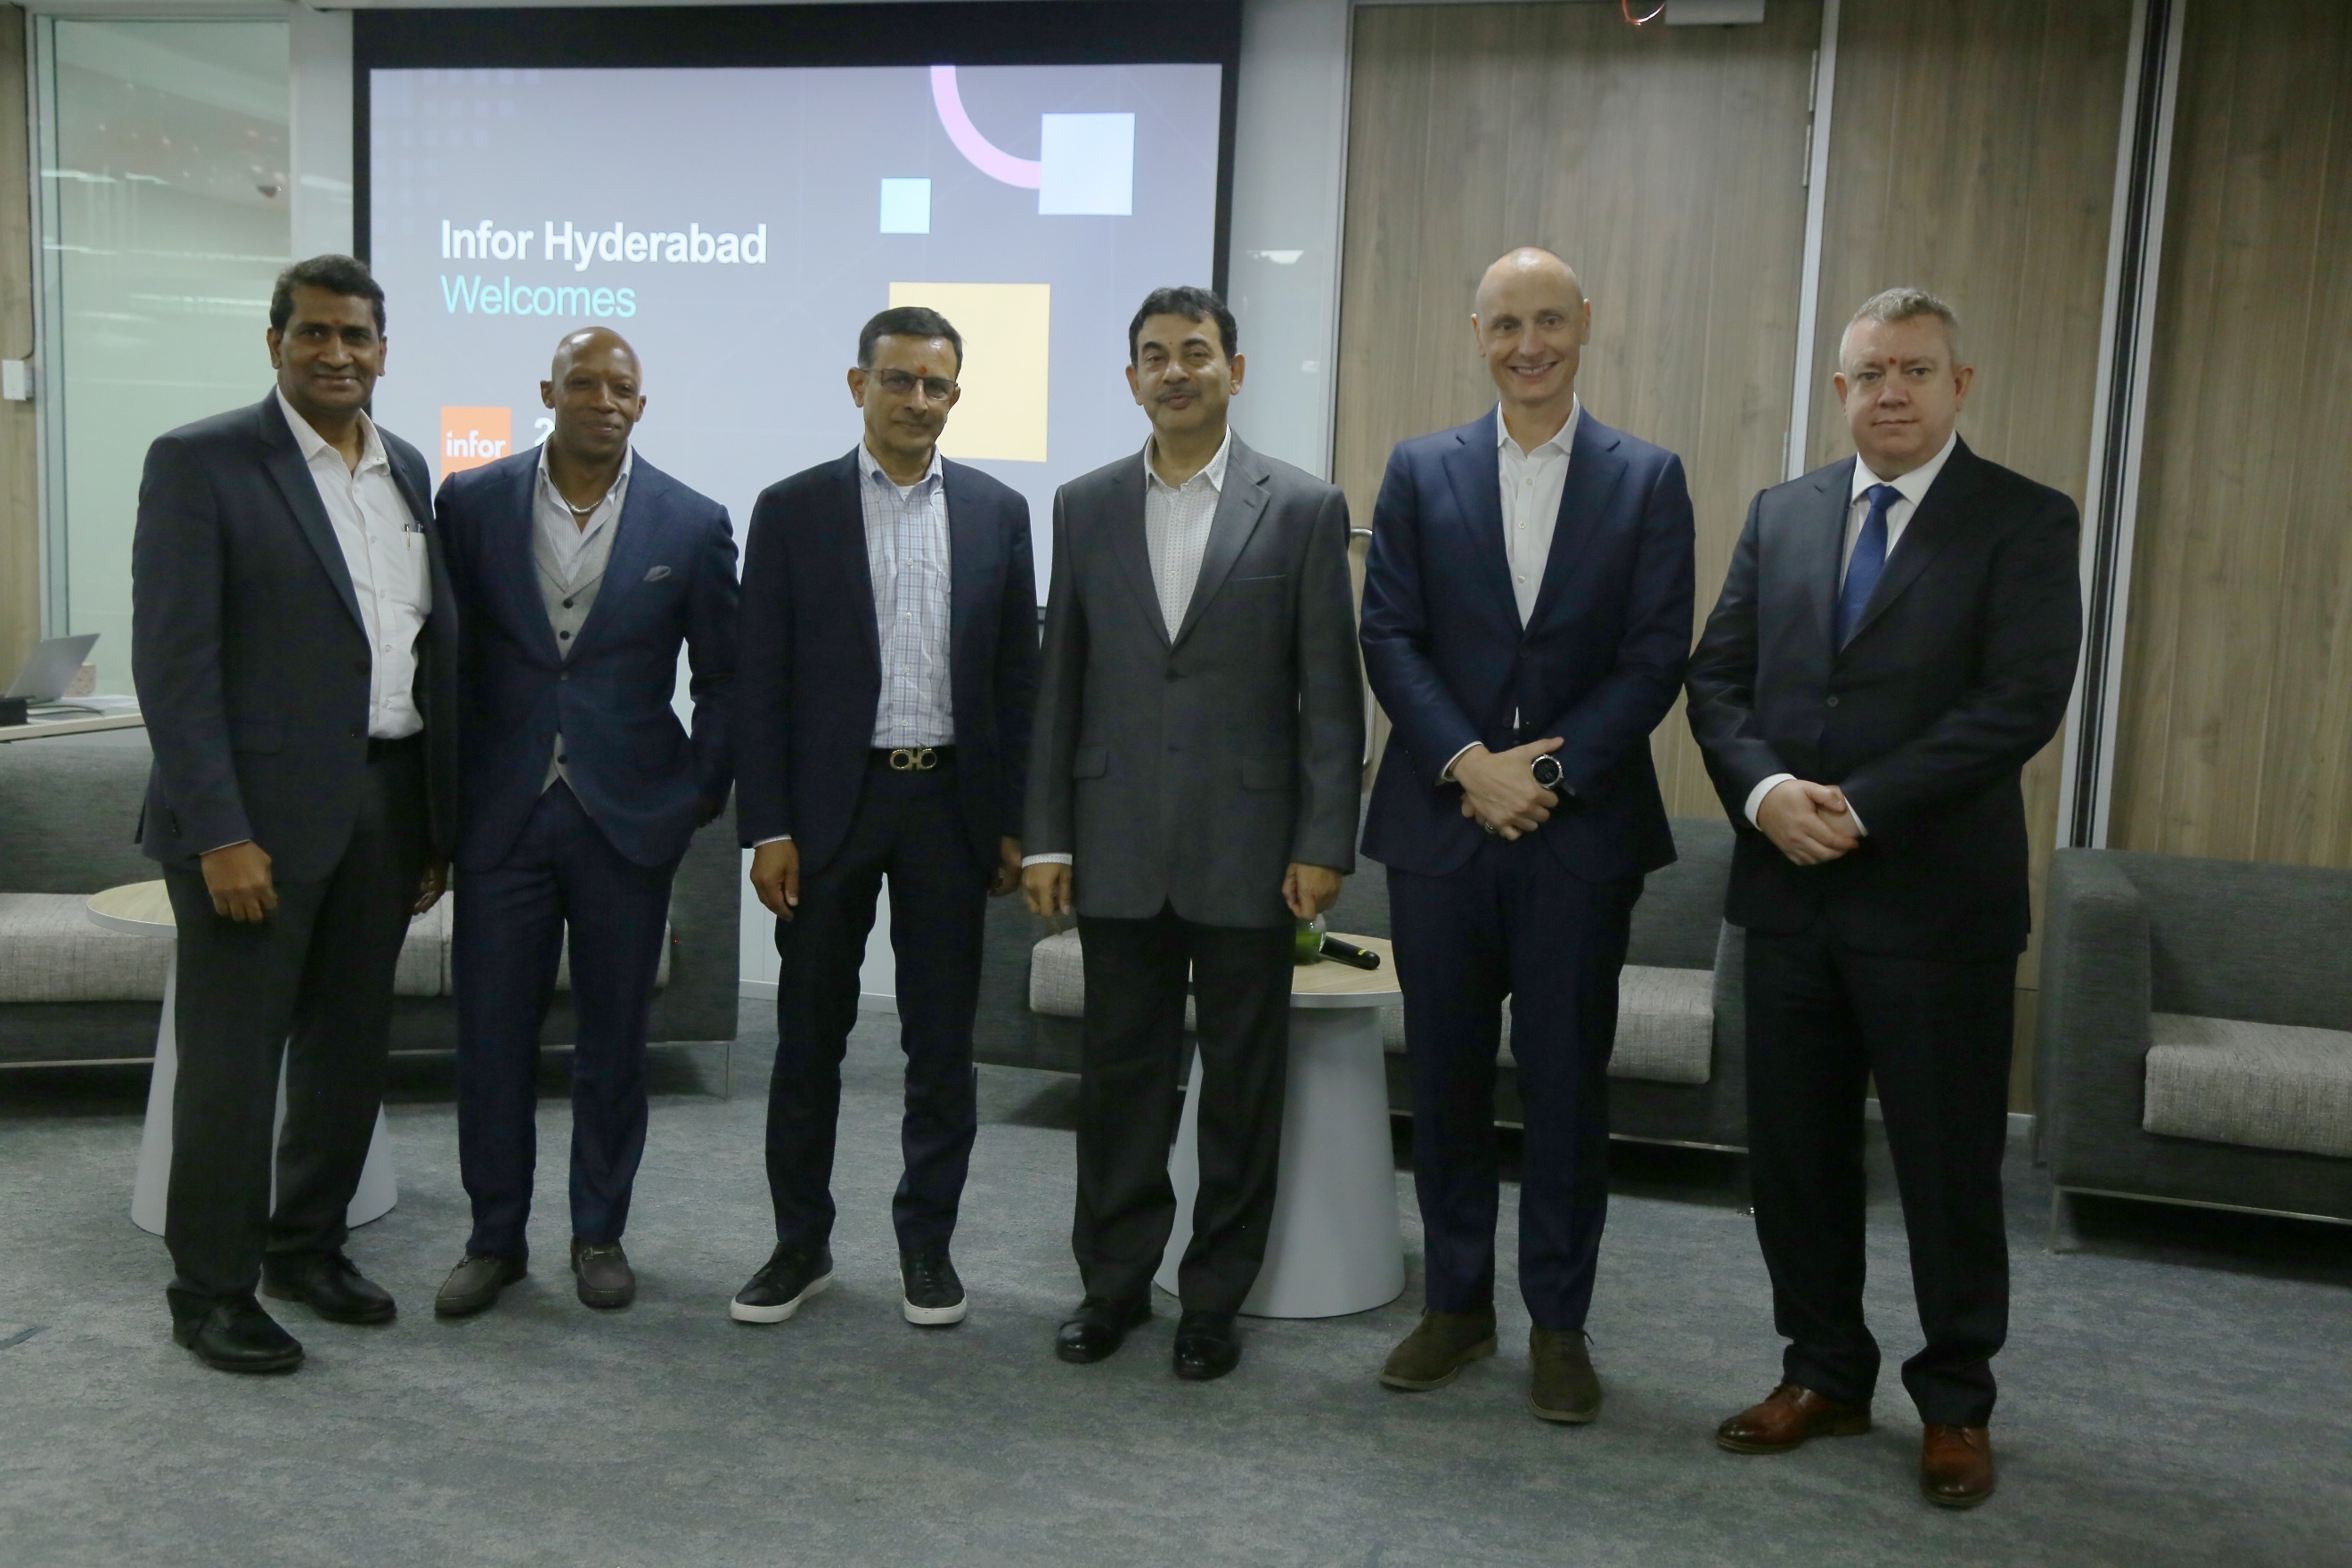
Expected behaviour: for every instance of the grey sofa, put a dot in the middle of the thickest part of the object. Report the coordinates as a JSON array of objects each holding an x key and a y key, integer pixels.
[
  {"x": 73, "y": 992},
  {"x": 1679, "y": 1075},
  {"x": 2195, "y": 1034}
]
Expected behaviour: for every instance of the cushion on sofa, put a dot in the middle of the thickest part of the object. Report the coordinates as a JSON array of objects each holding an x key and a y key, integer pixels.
[
  {"x": 49, "y": 952},
  {"x": 2262, "y": 1086},
  {"x": 1666, "y": 1017},
  {"x": 1666, "y": 1026}
]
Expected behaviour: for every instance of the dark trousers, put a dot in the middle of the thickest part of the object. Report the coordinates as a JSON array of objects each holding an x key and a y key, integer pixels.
[
  {"x": 1821, "y": 1019},
  {"x": 509, "y": 938},
  {"x": 1513, "y": 921},
  {"x": 910, "y": 829},
  {"x": 1132, "y": 1051},
  {"x": 311, "y": 986}
]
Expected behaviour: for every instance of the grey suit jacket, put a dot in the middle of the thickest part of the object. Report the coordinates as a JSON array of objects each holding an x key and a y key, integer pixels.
[{"x": 1192, "y": 772}]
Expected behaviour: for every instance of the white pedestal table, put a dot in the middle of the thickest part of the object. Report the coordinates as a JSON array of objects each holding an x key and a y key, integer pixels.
[
  {"x": 1334, "y": 1246},
  {"x": 144, "y": 908}
]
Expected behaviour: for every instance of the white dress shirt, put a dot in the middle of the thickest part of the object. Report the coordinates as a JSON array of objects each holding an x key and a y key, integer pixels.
[
  {"x": 1911, "y": 487},
  {"x": 909, "y": 567},
  {"x": 1176, "y": 524},
  {"x": 1532, "y": 484},
  {"x": 569, "y": 538},
  {"x": 384, "y": 551}
]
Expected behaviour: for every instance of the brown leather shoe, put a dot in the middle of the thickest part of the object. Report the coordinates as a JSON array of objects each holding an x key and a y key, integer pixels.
[
  {"x": 1788, "y": 1416},
  {"x": 1563, "y": 1386},
  {"x": 1437, "y": 1350},
  {"x": 1956, "y": 1468}
]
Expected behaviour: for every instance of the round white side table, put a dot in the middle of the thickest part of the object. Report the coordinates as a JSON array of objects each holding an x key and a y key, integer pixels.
[
  {"x": 145, "y": 910},
  {"x": 1334, "y": 1246}
]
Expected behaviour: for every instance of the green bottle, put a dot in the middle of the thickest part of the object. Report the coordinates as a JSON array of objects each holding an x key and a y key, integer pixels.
[{"x": 1307, "y": 941}]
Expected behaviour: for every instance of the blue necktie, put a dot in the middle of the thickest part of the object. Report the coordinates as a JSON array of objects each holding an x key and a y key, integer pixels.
[{"x": 1869, "y": 562}]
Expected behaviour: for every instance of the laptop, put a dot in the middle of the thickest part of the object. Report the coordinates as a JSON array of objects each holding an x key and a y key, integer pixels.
[{"x": 51, "y": 668}]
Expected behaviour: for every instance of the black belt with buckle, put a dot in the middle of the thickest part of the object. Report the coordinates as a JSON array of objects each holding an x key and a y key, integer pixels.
[{"x": 914, "y": 759}]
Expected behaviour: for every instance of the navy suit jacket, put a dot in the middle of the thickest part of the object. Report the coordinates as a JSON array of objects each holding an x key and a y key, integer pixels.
[
  {"x": 669, "y": 579},
  {"x": 1958, "y": 673},
  {"x": 251, "y": 656},
  {"x": 1598, "y": 663},
  {"x": 812, "y": 675}
]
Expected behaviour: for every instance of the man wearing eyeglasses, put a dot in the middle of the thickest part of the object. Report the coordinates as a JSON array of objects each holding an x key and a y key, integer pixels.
[{"x": 889, "y": 650}]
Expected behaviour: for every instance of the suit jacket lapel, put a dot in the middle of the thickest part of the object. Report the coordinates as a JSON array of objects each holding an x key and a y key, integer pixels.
[
  {"x": 634, "y": 542},
  {"x": 1931, "y": 527},
  {"x": 1129, "y": 543},
  {"x": 968, "y": 557},
  {"x": 848, "y": 523},
  {"x": 1594, "y": 470},
  {"x": 1473, "y": 470},
  {"x": 283, "y": 458},
  {"x": 514, "y": 564},
  {"x": 1825, "y": 550},
  {"x": 1239, "y": 505}
]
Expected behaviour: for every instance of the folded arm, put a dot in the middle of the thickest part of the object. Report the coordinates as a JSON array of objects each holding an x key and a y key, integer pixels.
[
  {"x": 1395, "y": 633},
  {"x": 1722, "y": 685}
]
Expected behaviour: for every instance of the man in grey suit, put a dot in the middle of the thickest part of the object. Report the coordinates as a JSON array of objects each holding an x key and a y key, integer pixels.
[{"x": 1193, "y": 779}]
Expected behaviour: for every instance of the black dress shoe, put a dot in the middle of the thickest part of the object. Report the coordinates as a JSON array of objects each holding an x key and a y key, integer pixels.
[
  {"x": 606, "y": 1280},
  {"x": 1098, "y": 1327},
  {"x": 791, "y": 1276},
  {"x": 476, "y": 1282},
  {"x": 329, "y": 1285},
  {"x": 934, "y": 1294},
  {"x": 238, "y": 1336},
  {"x": 1208, "y": 1346}
]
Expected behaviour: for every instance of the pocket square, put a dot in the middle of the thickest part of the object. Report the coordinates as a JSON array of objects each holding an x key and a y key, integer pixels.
[{"x": 658, "y": 574}]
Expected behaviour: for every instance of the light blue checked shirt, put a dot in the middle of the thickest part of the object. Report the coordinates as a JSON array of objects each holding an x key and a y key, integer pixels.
[{"x": 908, "y": 562}]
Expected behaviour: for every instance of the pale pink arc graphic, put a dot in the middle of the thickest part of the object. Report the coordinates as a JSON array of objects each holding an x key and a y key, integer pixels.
[{"x": 983, "y": 154}]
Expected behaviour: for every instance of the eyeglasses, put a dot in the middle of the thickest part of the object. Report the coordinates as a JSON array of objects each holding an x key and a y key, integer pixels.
[{"x": 902, "y": 384}]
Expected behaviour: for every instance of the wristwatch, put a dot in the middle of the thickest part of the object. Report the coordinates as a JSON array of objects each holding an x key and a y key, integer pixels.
[{"x": 1548, "y": 775}]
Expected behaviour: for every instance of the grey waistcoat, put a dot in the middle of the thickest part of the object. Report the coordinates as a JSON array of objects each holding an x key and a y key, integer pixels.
[{"x": 568, "y": 607}]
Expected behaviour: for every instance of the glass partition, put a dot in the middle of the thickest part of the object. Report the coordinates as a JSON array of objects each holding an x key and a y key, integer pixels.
[{"x": 163, "y": 220}]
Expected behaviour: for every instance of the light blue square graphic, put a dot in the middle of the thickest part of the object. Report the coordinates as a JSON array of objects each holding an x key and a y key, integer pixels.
[
  {"x": 906, "y": 206},
  {"x": 1089, "y": 165}
]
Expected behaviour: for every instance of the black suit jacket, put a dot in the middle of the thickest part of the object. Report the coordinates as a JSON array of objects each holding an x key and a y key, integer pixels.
[
  {"x": 809, "y": 663},
  {"x": 249, "y": 655},
  {"x": 1957, "y": 675}
]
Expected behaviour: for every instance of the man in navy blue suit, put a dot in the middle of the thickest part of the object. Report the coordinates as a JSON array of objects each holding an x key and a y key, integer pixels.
[
  {"x": 579, "y": 571},
  {"x": 1527, "y": 617},
  {"x": 882, "y": 727}
]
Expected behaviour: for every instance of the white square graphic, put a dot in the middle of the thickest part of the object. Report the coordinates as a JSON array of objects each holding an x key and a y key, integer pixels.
[
  {"x": 906, "y": 206},
  {"x": 1089, "y": 165}
]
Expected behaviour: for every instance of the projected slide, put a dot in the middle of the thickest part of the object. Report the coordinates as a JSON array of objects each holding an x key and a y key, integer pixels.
[{"x": 739, "y": 224}]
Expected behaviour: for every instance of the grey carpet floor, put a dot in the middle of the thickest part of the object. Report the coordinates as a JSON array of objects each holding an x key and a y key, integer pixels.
[{"x": 2176, "y": 1393}]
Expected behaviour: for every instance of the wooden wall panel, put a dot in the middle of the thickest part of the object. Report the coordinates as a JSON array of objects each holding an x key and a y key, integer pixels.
[
  {"x": 20, "y": 538},
  {"x": 1972, "y": 152},
  {"x": 1665, "y": 164},
  {"x": 2234, "y": 737}
]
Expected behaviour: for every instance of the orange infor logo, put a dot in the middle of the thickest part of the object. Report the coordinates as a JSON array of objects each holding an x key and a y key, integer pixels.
[{"x": 472, "y": 436}]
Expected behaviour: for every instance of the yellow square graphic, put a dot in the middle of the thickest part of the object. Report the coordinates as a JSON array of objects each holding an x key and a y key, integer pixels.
[{"x": 1006, "y": 330}]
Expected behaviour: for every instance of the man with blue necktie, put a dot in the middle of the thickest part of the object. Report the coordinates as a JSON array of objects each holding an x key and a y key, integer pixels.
[{"x": 1896, "y": 640}]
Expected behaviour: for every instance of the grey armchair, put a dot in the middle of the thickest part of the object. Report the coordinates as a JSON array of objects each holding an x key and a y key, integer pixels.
[{"x": 2195, "y": 1035}]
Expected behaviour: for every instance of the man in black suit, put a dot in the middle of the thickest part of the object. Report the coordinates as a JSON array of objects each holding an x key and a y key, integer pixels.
[
  {"x": 888, "y": 653},
  {"x": 1192, "y": 790},
  {"x": 294, "y": 646},
  {"x": 1896, "y": 638},
  {"x": 581, "y": 570}
]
